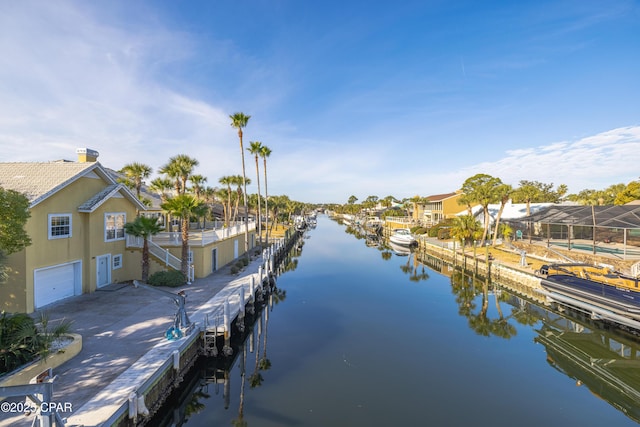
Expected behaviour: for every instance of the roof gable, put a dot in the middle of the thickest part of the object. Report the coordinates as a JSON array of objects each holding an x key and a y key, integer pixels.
[
  {"x": 40, "y": 180},
  {"x": 440, "y": 197}
]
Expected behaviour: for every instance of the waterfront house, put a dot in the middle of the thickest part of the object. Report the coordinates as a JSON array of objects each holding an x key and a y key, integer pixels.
[
  {"x": 78, "y": 212},
  {"x": 439, "y": 207}
]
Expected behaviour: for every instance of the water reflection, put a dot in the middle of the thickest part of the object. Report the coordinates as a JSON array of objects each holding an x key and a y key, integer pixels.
[
  {"x": 606, "y": 362},
  {"x": 451, "y": 336}
]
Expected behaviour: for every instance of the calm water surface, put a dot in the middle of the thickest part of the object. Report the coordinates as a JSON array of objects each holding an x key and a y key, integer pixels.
[{"x": 360, "y": 340}]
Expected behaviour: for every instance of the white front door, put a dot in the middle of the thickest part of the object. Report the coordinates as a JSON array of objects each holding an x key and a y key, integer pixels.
[
  {"x": 103, "y": 272},
  {"x": 235, "y": 249}
]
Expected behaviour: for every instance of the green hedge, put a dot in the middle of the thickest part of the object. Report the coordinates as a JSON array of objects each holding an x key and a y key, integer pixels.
[{"x": 171, "y": 278}]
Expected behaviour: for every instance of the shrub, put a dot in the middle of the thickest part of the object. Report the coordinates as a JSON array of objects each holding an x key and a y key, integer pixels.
[
  {"x": 234, "y": 269},
  {"x": 22, "y": 340},
  {"x": 171, "y": 278},
  {"x": 418, "y": 230}
]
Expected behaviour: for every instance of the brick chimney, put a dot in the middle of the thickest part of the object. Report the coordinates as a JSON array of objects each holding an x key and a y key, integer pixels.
[{"x": 86, "y": 155}]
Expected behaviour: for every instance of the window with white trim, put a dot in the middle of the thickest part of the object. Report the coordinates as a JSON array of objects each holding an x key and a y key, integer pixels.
[
  {"x": 59, "y": 226},
  {"x": 114, "y": 226},
  {"x": 116, "y": 262}
]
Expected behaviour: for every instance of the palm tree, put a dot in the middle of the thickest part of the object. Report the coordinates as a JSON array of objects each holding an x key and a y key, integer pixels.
[
  {"x": 144, "y": 227},
  {"x": 239, "y": 121},
  {"x": 135, "y": 173},
  {"x": 482, "y": 189},
  {"x": 227, "y": 180},
  {"x": 465, "y": 228},
  {"x": 240, "y": 181},
  {"x": 503, "y": 193},
  {"x": 183, "y": 206},
  {"x": 255, "y": 147},
  {"x": 264, "y": 153},
  {"x": 197, "y": 184},
  {"x": 161, "y": 186},
  {"x": 180, "y": 168}
]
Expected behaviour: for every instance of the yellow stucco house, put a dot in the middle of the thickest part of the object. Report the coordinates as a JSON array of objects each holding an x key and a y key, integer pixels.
[
  {"x": 78, "y": 212},
  {"x": 442, "y": 206}
]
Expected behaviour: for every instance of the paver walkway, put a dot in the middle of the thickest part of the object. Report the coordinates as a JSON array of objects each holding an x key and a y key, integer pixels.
[{"x": 119, "y": 324}]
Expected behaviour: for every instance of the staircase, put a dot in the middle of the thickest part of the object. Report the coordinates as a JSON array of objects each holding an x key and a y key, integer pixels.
[{"x": 158, "y": 252}]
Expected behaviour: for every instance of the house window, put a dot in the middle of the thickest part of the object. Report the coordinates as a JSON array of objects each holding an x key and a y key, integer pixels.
[
  {"x": 117, "y": 261},
  {"x": 114, "y": 226},
  {"x": 59, "y": 226}
]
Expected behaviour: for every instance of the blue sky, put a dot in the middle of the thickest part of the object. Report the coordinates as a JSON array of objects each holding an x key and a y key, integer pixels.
[{"x": 353, "y": 97}]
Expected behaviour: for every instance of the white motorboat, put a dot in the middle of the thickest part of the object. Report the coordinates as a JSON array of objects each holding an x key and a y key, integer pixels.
[{"x": 402, "y": 236}]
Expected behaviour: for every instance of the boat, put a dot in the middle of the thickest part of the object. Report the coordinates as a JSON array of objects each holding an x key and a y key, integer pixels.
[
  {"x": 593, "y": 284},
  {"x": 403, "y": 237}
]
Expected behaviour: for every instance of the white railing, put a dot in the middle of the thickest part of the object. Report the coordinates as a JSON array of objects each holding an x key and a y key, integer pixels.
[
  {"x": 156, "y": 250},
  {"x": 199, "y": 237},
  {"x": 399, "y": 219}
]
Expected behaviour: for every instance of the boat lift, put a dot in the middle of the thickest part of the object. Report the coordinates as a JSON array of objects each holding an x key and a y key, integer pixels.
[
  {"x": 596, "y": 312},
  {"x": 181, "y": 325}
]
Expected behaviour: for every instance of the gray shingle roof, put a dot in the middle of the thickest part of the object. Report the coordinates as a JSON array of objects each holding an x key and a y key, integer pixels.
[
  {"x": 99, "y": 198},
  {"x": 39, "y": 180}
]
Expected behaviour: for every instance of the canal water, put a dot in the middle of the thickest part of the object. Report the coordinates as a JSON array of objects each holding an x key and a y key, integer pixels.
[{"x": 359, "y": 335}]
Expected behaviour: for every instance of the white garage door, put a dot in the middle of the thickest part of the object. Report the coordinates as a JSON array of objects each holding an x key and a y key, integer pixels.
[{"x": 55, "y": 283}]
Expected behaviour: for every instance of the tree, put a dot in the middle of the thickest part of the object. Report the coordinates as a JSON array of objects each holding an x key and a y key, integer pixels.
[
  {"x": 465, "y": 227},
  {"x": 482, "y": 189},
  {"x": 255, "y": 147},
  {"x": 264, "y": 153},
  {"x": 144, "y": 227},
  {"x": 239, "y": 121},
  {"x": 179, "y": 168},
  {"x": 388, "y": 201},
  {"x": 415, "y": 201},
  {"x": 352, "y": 199},
  {"x": 239, "y": 181},
  {"x": 227, "y": 180},
  {"x": 535, "y": 191},
  {"x": 14, "y": 213},
  {"x": 134, "y": 175},
  {"x": 183, "y": 206},
  {"x": 630, "y": 193},
  {"x": 503, "y": 193},
  {"x": 197, "y": 184},
  {"x": 161, "y": 186}
]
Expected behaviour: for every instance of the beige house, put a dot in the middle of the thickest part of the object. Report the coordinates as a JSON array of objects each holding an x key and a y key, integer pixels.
[
  {"x": 78, "y": 211},
  {"x": 76, "y": 226},
  {"x": 442, "y": 206}
]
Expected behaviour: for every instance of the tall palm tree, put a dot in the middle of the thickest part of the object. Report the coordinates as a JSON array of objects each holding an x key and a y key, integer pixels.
[
  {"x": 135, "y": 173},
  {"x": 183, "y": 206},
  {"x": 255, "y": 147},
  {"x": 239, "y": 121},
  {"x": 144, "y": 227},
  {"x": 264, "y": 153},
  {"x": 227, "y": 180},
  {"x": 503, "y": 193},
  {"x": 239, "y": 181}
]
